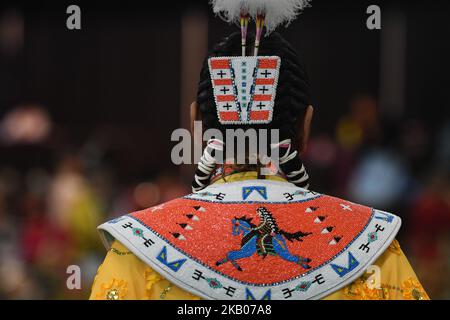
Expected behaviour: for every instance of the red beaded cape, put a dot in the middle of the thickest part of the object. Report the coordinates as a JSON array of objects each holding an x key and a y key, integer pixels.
[{"x": 256, "y": 240}]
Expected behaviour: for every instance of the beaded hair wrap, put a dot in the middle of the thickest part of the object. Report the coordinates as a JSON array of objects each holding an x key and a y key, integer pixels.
[
  {"x": 291, "y": 165},
  {"x": 259, "y": 28},
  {"x": 207, "y": 164}
]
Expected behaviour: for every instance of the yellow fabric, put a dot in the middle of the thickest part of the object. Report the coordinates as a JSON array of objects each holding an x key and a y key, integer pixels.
[{"x": 124, "y": 276}]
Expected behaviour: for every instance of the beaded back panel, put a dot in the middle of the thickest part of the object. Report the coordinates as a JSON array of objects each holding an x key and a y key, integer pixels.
[{"x": 257, "y": 239}]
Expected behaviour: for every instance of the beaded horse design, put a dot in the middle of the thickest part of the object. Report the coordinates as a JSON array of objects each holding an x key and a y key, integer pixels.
[{"x": 264, "y": 239}]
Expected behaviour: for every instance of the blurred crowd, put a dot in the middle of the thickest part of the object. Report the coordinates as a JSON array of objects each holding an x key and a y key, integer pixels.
[{"x": 49, "y": 214}]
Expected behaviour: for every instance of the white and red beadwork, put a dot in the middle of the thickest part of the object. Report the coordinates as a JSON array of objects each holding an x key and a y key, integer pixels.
[
  {"x": 256, "y": 239},
  {"x": 244, "y": 88}
]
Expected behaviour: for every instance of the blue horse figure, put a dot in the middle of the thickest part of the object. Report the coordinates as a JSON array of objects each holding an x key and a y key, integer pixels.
[{"x": 265, "y": 239}]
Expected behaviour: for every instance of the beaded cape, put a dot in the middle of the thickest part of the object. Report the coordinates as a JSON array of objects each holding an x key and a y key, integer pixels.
[{"x": 256, "y": 240}]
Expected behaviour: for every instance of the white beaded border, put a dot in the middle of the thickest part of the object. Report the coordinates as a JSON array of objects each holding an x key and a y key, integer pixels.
[{"x": 275, "y": 86}]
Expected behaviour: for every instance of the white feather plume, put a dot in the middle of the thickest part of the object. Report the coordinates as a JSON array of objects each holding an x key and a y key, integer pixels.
[{"x": 277, "y": 12}]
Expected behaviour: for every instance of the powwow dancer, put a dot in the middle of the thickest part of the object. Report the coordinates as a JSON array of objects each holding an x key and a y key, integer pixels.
[{"x": 305, "y": 246}]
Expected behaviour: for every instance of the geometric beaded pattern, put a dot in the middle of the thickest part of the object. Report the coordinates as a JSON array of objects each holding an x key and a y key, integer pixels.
[{"x": 244, "y": 88}]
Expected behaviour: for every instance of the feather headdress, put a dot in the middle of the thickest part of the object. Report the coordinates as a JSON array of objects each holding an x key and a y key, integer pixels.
[{"x": 275, "y": 12}]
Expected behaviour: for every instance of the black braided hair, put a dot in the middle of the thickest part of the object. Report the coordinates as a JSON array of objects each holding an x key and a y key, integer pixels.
[{"x": 292, "y": 98}]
